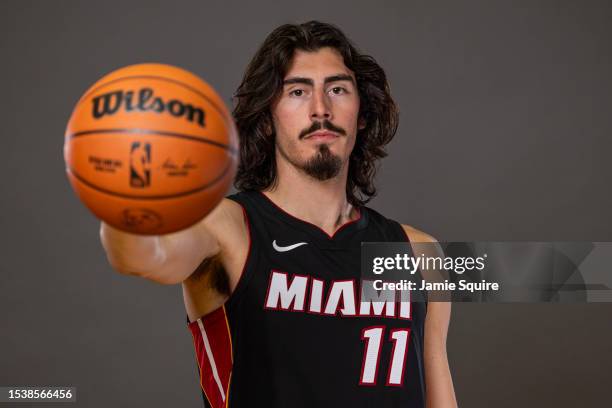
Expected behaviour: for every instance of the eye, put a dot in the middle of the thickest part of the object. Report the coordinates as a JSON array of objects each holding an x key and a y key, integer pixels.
[
  {"x": 338, "y": 90},
  {"x": 297, "y": 92}
]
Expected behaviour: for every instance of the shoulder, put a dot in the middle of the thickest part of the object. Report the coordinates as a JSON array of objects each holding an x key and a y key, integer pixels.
[
  {"x": 228, "y": 224},
  {"x": 438, "y": 313},
  {"x": 417, "y": 236},
  {"x": 422, "y": 243},
  {"x": 414, "y": 235},
  {"x": 228, "y": 212}
]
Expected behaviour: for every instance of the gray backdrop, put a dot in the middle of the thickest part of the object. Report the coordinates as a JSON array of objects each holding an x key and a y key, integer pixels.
[{"x": 505, "y": 135}]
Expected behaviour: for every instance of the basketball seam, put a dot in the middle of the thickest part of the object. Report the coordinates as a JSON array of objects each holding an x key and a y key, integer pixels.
[
  {"x": 89, "y": 132},
  {"x": 154, "y": 197}
]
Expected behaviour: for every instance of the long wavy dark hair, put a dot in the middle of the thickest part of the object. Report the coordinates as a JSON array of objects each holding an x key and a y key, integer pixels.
[{"x": 263, "y": 82}]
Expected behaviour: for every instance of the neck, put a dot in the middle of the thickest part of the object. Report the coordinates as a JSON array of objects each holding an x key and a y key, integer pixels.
[{"x": 322, "y": 203}]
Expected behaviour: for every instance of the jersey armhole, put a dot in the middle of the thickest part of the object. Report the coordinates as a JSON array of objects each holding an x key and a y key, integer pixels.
[
  {"x": 407, "y": 238},
  {"x": 419, "y": 342},
  {"x": 244, "y": 273}
]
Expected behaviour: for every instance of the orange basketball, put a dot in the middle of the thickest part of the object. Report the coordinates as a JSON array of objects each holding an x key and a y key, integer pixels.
[{"x": 151, "y": 149}]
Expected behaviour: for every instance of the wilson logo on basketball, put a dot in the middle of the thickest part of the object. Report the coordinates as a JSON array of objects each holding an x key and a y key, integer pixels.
[{"x": 144, "y": 101}]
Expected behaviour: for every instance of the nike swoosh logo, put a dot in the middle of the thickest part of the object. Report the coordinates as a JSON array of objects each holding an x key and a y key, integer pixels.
[{"x": 287, "y": 248}]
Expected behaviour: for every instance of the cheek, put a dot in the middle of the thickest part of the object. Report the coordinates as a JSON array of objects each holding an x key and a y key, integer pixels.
[
  {"x": 347, "y": 110},
  {"x": 286, "y": 130},
  {"x": 286, "y": 119}
]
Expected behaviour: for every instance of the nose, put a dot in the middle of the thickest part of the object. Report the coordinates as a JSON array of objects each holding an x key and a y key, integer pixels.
[{"x": 320, "y": 106}]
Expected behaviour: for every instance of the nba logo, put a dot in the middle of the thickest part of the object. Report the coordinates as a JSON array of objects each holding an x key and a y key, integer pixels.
[{"x": 140, "y": 165}]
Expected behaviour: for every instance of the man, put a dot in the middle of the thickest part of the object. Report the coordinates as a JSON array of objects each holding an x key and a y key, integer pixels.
[{"x": 270, "y": 276}]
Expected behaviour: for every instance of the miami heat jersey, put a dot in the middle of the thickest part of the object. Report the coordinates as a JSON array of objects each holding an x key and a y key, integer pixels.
[{"x": 299, "y": 331}]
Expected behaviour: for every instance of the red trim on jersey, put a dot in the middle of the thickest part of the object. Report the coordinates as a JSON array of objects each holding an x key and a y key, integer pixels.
[
  {"x": 365, "y": 353},
  {"x": 399, "y": 294},
  {"x": 404, "y": 362},
  {"x": 246, "y": 260},
  {"x": 398, "y": 300},
  {"x": 371, "y": 303},
  {"x": 316, "y": 226},
  {"x": 213, "y": 346},
  {"x": 405, "y": 234},
  {"x": 291, "y": 307},
  {"x": 338, "y": 308},
  {"x": 322, "y": 303}
]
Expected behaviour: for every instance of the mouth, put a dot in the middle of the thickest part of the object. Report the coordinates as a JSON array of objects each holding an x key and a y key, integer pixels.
[{"x": 319, "y": 136}]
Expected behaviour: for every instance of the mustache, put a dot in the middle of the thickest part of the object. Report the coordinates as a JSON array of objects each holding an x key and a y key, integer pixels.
[{"x": 326, "y": 124}]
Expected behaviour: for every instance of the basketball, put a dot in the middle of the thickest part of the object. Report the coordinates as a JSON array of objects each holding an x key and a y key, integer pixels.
[{"x": 150, "y": 149}]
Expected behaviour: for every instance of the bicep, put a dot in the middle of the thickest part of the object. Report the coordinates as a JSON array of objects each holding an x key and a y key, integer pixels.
[{"x": 191, "y": 250}]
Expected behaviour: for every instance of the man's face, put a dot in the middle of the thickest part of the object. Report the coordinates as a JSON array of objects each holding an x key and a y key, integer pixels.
[{"x": 316, "y": 115}]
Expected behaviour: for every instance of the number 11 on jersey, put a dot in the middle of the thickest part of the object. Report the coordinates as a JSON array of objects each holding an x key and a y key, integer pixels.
[{"x": 373, "y": 336}]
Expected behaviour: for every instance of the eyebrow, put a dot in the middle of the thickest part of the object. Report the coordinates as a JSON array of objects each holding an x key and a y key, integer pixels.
[{"x": 308, "y": 81}]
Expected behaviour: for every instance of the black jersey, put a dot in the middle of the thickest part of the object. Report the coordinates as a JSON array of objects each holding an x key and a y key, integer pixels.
[{"x": 297, "y": 330}]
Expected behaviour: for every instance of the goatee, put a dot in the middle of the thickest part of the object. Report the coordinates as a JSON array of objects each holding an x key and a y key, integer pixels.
[{"x": 324, "y": 165}]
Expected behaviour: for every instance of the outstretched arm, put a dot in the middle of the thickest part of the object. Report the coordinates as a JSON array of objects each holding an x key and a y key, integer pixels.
[{"x": 438, "y": 380}]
